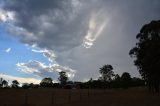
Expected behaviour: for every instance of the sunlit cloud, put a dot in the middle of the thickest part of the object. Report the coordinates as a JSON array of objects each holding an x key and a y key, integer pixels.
[
  {"x": 19, "y": 79},
  {"x": 24, "y": 68},
  {"x": 6, "y": 16},
  {"x": 96, "y": 26},
  {"x": 8, "y": 50},
  {"x": 52, "y": 67},
  {"x": 46, "y": 53},
  {"x": 41, "y": 70}
]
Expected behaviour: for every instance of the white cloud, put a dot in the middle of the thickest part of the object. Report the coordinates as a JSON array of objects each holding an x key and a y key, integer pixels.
[
  {"x": 20, "y": 79},
  {"x": 96, "y": 25},
  {"x": 41, "y": 70},
  {"x": 6, "y": 16},
  {"x": 24, "y": 68},
  {"x": 8, "y": 50},
  {"x": 47, "y": 53}
]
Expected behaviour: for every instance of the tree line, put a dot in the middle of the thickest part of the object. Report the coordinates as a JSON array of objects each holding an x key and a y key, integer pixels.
[{"x": 106, "y": 80}]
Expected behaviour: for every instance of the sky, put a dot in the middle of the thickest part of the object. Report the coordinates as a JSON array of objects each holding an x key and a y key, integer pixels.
[{"x": 40, "y": 38}]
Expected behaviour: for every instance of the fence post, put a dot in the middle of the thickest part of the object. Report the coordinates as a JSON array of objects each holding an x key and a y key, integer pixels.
[
  {"x": 69, "y": 96},
  {"x": 80, "y": 94},
  {"x": 52, "y": 98},
  {"x": 26, "y": 99},
  {"x": 88, "y": 93}
]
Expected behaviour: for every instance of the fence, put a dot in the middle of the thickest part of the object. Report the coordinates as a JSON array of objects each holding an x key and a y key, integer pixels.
[{"x": 48, "y": 97}]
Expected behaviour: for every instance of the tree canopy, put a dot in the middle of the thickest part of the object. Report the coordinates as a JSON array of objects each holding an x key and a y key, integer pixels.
[
  {"x": 63, "y": 78},
  {"x": 5, "y": 83},
  {"x": 106, "y": 72},
  {"x": 15, "y": 84},
  {"x": 147, "y": 53},
  {"x": 126, "y": 76},
  {"x": 46, "y": 82},
  {"x": 126, "y": 80}
]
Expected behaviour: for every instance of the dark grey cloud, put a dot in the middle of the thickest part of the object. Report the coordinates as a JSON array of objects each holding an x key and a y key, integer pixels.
[
  {"x": 62, "y": 26},
  {"x": 118, "y": 37},
  {"x": 50, "y": 24}
]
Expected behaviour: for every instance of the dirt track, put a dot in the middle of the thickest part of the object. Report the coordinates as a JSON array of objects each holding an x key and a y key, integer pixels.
[{"x": 75, "y": 97}]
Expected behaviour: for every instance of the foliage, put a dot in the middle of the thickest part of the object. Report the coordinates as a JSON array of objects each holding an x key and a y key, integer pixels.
[
  {"x": 63, "y": 78},
  {"x": 106, "y": 73},
  {"x": 29, "y": 86},
  {"x": 126, "y": 76},
  {"x": 46, "y": 82},
  {"x": 4, "y": 83},
  {"x": 147, "y": 53},
  {"x": 126, "y": 80},
  {"x": 117, "y": 77},
  {"x": 1, "y": 80},
  {"x": 15, "y": 84}
]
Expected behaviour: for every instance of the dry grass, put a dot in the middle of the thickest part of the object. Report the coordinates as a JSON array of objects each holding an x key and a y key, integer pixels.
[{"x": 75, "y": 97}]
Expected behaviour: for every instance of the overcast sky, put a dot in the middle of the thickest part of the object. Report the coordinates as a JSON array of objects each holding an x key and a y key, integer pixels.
[{"x": 39, "y": 38}]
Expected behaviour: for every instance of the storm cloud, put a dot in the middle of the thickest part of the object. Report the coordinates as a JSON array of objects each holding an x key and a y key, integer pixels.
[
  {"x": 50, "y": 24},
  {"x": 84, "y": 35}
]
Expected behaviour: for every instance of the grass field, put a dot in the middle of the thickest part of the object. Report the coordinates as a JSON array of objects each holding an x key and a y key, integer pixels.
[{"x": 77, "y": 97}]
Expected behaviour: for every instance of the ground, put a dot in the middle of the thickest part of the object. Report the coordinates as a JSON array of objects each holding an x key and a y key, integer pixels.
[{"x": 78, "y": 97}]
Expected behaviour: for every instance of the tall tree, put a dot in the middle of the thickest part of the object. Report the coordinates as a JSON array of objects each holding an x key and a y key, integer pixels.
[
  {"x": 147, "y": 53},
  {"x": 126, "y": 76},
  {"x": 106, "y": 73},
  {"x": 117, "y": 77},
  {"x": 63, "y": 78},
  {"x": 1, "y": 80},
  {"x": 15, "y": 84},
  {"x": 126, "y": 80},
  {"x": 46, "y": 82},
  {"x": 4, "y": 83}
]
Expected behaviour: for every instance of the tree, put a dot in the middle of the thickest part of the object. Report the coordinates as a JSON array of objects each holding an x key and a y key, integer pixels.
[
  {"x": 15, "y": 84},
  {"x": 63, "y": 78},
  {"x": 4, "y": 83},
  {"x": 117, "y": 77},
  {"x": 106, "y": 73},
  {"x": 29, "y": 86},
  {"x": 146, "y": 54},
  {"x": 46, "y": 82},
  {"x": 1, "y": 80},
  {"x": 25, "y": 86},
  {"x": 126, "y": 76},
  {"x": 137, "y": 82},
  {"x": 126, "y": 80}
]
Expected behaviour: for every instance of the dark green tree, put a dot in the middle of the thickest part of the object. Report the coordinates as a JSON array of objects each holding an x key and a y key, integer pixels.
[
  {"x": 46, "y": 82},
  {"x": 15, "y": 84},
  {"x": 106, "y": 73},
  {"x": 1, "y": 80},
  {"x": 4, "y": 83},
  {"x": 116, "y": 82},
  {"x": 63, "y": 78},
  {"x": 25, "y": 86},
  {"x": 29, "y": 86},
  {"x": 146, "y": 54},
  {"x": 126, "y": 80},
  {"x": 117, "y": 77},
  {"x": 126, "y": 76}
]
